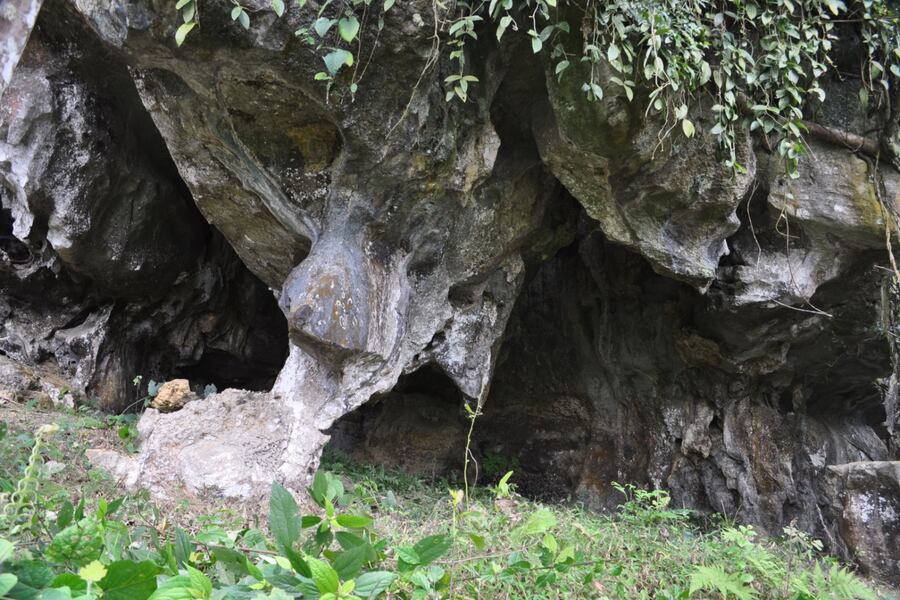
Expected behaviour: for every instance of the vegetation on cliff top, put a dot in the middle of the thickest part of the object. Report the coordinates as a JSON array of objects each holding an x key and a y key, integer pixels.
[
  {"x": 759, "y": 64},
  {"x": 370, "y": 533}
]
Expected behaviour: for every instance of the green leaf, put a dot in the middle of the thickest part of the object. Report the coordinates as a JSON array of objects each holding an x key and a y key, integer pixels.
[
  {"x": 232, "y": 560},
  {"x": 129, "y": 580},
  {"x": 370, "y": 585},
  {"x": 431, "y": 548},
  {"x": 538, "y": 522},
  {"x": 348, "y": 27},
  {"x": 310, "y": 521},
  {"x": 388, "y": 4},
  {"x": 236, "y": 12},
  {"x": 7, "y": 582},
  {"x": 321, "y": 27},
  {"x": 6, "y": 550},
  {"x": 278, "y": 7},
  {"x": 536, "y": 44},
  {"x": 33, "y": 576},
  {"x": 297, "y": 562},
  {"x": 504, "y": 23},
  {"x": 325, "y": 578},
  {"x": 94, "y": 571},
  {"x": 200, "y": 582},
  {"x": 182, "y": 592},
  {"x": 102, "y": 507},
  {"x": 612, "y": 53},
  {"x": 62, "y": 593},
  {"x": 284, "y": 521},
  {"x": 349, "y": 540},
  {"x": 182, "y": 32},
  {"x": 836, "y": 6},
  {"x": 333, "y": 62},
  {"x": 349, "y": 562},
  {"x": 79, "y": 543},
  {"x": 355, "y": 521},
  {"x": 181, "y": 4},
  {"x": 183, "y": 547},
  {"x": 407, "y": 555},
  {"x": 71, "y": 581},
  {"x": 335, "y": 487},
  {"x": 688, "y": 128},
  {"x": 244, "y": 19}
]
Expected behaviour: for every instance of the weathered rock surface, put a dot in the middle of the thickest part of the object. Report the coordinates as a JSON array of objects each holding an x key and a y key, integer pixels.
[
  {"x": 624, "y": 310},
  {"x": 107, "y": 269},
  {"x": 866, "y": 496},
  {"x": 173, "y": 395},
  {"x": 235, "y": 461},
  {"x": 17, "y": 18}
]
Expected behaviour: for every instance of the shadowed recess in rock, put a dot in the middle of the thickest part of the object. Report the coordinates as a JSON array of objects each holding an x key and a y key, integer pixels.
[
  {"x": 418, "y": 426},
  {"x": 108, "y": 269},
  {"x": 610, "y": 372}
]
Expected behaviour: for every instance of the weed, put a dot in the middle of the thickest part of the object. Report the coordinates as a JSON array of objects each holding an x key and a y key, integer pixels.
[{"x": 377, "y": 532}]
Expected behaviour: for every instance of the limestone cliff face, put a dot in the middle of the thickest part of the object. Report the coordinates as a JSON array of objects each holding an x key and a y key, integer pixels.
[{"x": 625, "y": 311}]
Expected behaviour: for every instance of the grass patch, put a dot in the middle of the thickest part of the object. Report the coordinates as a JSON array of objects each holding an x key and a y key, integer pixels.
[{"x": 68, "y": 534}]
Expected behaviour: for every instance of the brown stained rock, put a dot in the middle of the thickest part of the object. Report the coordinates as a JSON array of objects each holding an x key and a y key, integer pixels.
[{"x": 173, "y": 395}]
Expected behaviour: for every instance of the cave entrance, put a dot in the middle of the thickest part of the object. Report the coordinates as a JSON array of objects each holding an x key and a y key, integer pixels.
[
  {"x": 249, "y": 347},
  {"x": 419, "y": 426}
]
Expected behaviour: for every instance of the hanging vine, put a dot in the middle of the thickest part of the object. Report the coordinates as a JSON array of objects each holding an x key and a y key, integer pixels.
[{"x": 761, "y": 61}]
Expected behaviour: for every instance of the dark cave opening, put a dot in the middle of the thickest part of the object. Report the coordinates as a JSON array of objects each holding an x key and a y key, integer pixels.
[
  {"x": 228, "y": 330},
  {"x": 190, "y": 309},
  {"x": 419, "y": 426},
  {"x": 572, "y": 407},
  {"x": 13, "y": 249}
]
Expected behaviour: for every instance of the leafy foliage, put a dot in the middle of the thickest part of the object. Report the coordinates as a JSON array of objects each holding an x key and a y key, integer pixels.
[
  {"x": 424, "y": 543},
  {"x": 758, "y": 64},
  {"x": 761, "y": 62}
]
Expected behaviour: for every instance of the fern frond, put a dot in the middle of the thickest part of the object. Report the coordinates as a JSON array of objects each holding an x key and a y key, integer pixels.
[
  {"x": 845, "y": 585},
  {"x": 718, "y": 579}
]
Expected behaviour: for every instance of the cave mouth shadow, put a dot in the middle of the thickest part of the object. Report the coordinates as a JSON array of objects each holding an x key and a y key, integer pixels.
[
  {"x": 245, "y": 339},
  {"x": 420, "y": 428}
]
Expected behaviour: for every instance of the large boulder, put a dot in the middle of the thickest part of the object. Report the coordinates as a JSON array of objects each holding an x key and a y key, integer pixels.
[{"x": 867, "y": 501}]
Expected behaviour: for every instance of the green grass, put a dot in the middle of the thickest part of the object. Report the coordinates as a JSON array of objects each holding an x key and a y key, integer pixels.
[
  {"x": 372, "y": 528},
  {"x": 646, "y": 550}
]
